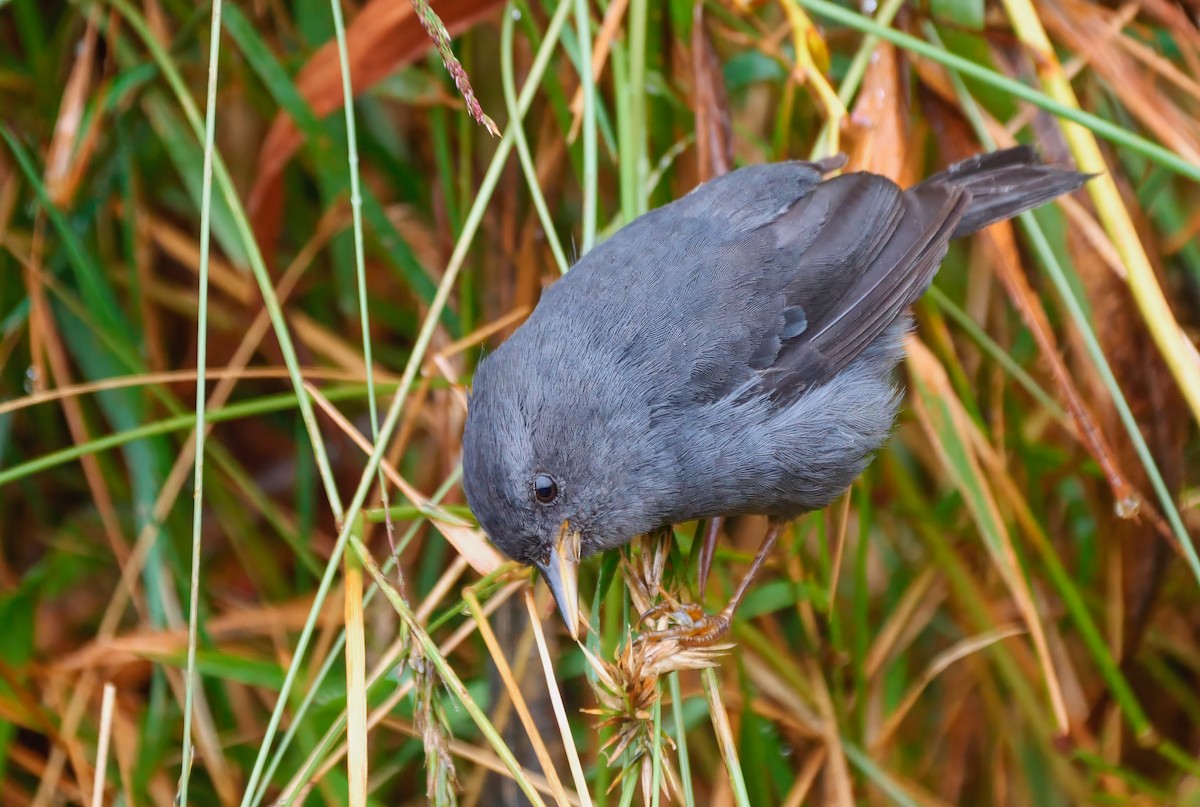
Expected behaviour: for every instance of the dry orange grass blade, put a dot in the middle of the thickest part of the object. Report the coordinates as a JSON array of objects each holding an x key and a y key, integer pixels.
[
  {"x": 806, "y": 778},
  {"x": 513, "y": 688},
  {"x": 840, "y": 789},
  {"x": 560, "y": 714},
  {"x": 384, "y": 36},
  {"x": 181, "y": 245},
  {"x": 238, "y": 373},
  {"x": 356, "y": 688},
  {"x": 948, "y": 425},
  {"x": 9, "y": 190},
  {"x": 1085, "y": 30},
  {"x": 840, "y": 527},
  {"x": 879, "y": 120},
  {"x": 70, "y": 154},
  {"x": 328, "y": 344},
  {"x": 126, "y": 740},
  {"x": 791, "y": 698},
  {"x": 915, "y": 609},
  {"x": 470, "y": 543},
  {"x": 69, "y": 747},
  {"x": 483, "y": 333},
  {"x": 1177, "y": 350},
  {"x": 1090, "y": 230},
  {"x": 956, "y": 652},
  {"x": 25, "y": 760}
]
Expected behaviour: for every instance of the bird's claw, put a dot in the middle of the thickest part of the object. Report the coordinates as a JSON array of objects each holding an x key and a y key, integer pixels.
[
  {"x": 687, "y": 624},
  {"x": 678, "y": 612}
]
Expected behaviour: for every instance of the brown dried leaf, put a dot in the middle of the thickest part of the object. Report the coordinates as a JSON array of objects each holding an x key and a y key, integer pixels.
[
  {"x": 1183, "y": 31},
  {"x": 385, "y": 36},
  {"x": 1007, "y": 264},
  {"x": 1001, "y": 241},
  {"x": 1084, "y": 28},
  {"x": 714, "y": 135},
  {"x": 1157, "y": 405},
  {"x": 65, "y": 162},
  {"x": 880, "y": 119}
]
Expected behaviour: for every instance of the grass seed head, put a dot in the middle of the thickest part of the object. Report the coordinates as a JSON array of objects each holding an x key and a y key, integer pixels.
[{"x": 627, "y": 688}]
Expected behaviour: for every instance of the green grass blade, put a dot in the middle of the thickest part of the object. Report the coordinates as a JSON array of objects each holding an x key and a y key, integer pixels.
[{"x": 210, "y": 127}]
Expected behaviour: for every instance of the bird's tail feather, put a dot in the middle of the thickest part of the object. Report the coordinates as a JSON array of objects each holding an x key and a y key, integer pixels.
[{"x": 1003, "y": 184}]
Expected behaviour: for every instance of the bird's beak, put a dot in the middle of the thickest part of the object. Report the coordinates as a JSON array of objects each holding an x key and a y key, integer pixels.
[{"x": 561, "y": 571}]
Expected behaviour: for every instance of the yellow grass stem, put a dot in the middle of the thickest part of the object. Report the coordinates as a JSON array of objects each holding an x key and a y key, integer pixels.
[
  {"x": 356, "y": 685},
  {"x": 1178, "y": 352}
]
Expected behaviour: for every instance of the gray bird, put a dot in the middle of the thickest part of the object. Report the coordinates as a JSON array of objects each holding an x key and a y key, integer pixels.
[{"x": 730, "y": 353}]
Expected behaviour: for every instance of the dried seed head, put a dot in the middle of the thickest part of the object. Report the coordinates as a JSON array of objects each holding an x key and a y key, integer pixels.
[
  {"x": 627, "y": 688},
  {"x": 441, "y": 785}
]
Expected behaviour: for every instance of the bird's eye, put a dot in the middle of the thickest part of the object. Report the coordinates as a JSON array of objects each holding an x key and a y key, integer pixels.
[{"x": 545, "y": 488}]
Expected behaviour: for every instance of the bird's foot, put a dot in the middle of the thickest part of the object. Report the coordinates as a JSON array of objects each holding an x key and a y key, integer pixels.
[{"x": 687, "y": 623}]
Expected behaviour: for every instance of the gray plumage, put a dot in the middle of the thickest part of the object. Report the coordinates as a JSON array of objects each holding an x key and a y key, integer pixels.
[{"x": 730, "y": 353}]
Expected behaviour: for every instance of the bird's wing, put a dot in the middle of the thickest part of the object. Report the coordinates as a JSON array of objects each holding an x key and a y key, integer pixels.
[
  {"x": 875, "y": 252},
  {"x": 766, "y": 278},
  {"x": 788, "y": 278},
  {"x": 684, "y": 303}
]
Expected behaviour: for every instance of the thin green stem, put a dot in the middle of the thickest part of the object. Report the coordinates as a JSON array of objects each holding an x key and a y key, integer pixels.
[
  {"x": 878, "y": 775},
  {"x": 685, "y": 763},
  {"x": 242, "y": 224},
  {"x": 339, "y": 31},
  {"x": 416, "y": 359},
  {"x": 453, "y": 683},
  {"x": 210, "y": 127},
  {"x": 716, "y": 709},
  {"x": 1105, "y": 129},
  {"x": 857, "y": 69},
  {"x": 1066, "y": 292},
  {"x": 583, "y": 30},
  {"x": 518, "y": 130}
]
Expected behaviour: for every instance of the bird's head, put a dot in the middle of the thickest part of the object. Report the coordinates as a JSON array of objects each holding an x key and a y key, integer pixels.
[
  {"x": 556, "y": 467},
  {"x": 522, "y": 491}
]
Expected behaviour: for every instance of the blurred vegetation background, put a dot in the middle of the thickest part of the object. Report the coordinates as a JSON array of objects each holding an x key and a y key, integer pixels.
[{"x": 1004, "y": 610}]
